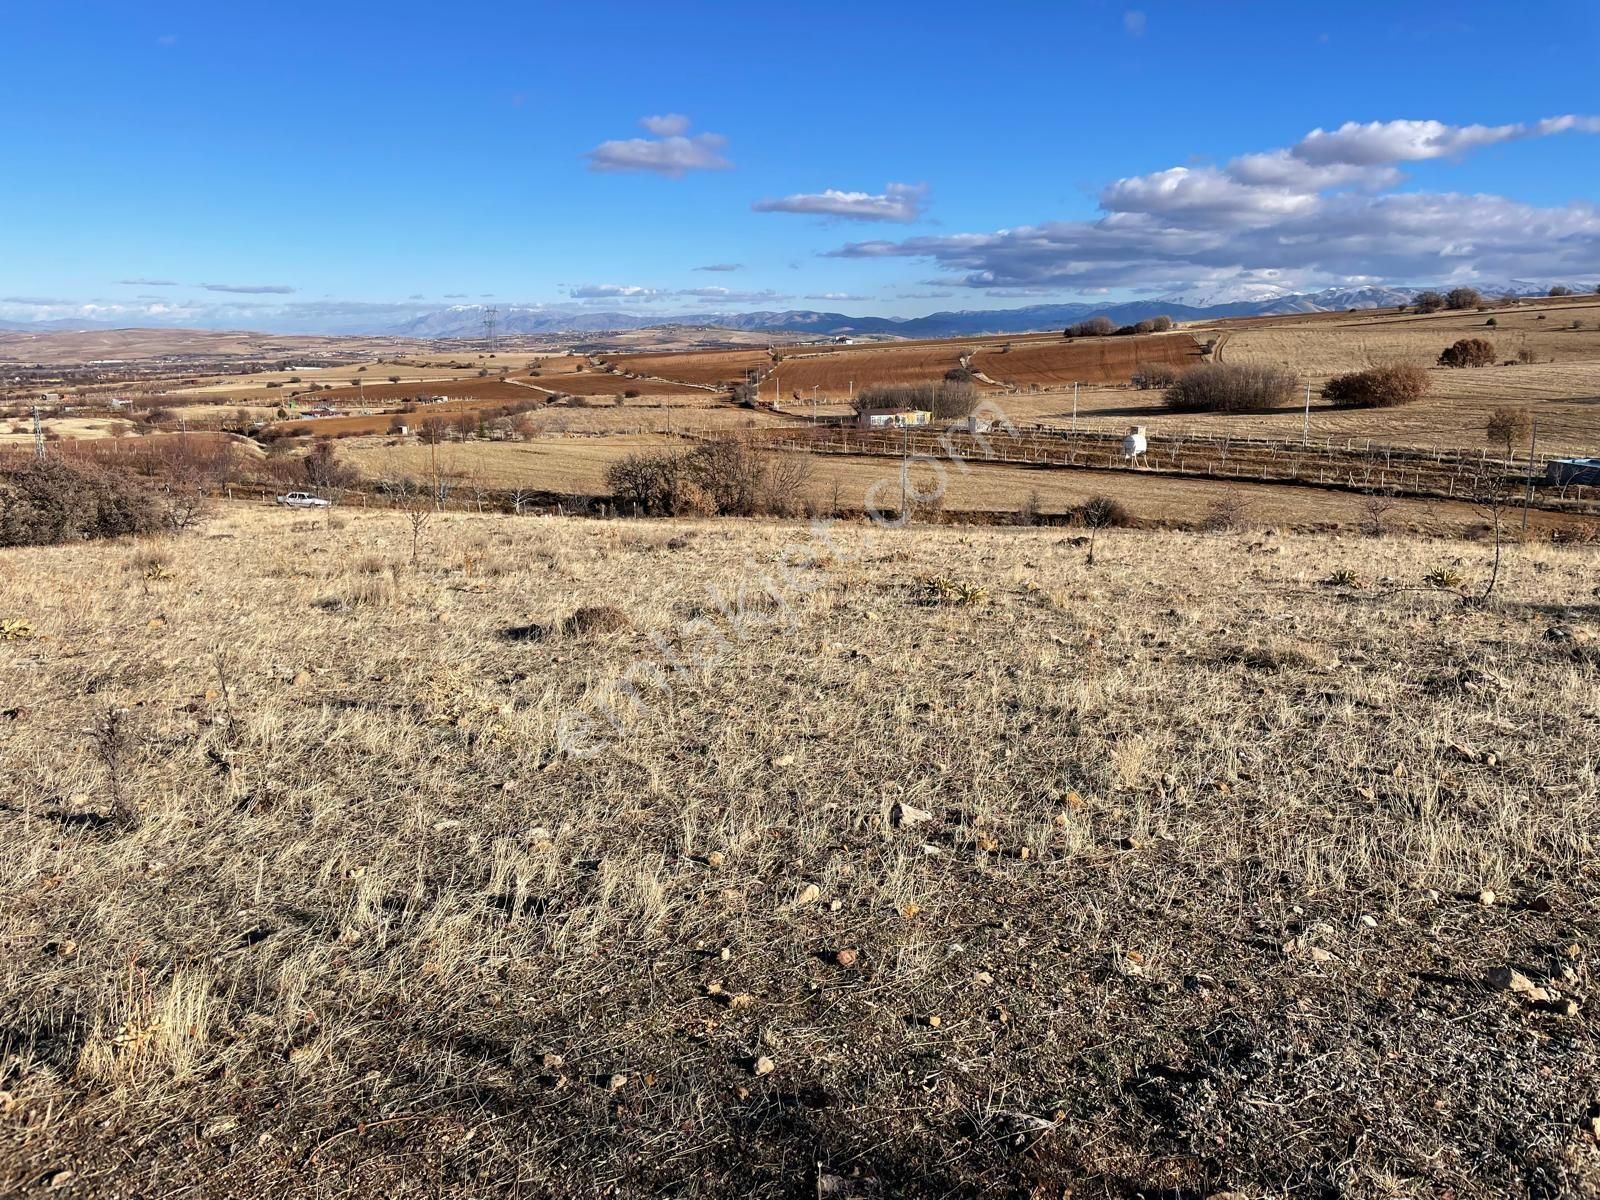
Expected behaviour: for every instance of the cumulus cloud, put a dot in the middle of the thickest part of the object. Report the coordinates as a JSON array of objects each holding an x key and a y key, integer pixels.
[
  {"x": 250, "y": 289},
  {"x": 671, "y": 152},
  {"x": 898, "y": 202},
  {"x": 666, "y": 125},
  {"x": 721, "y": 267},
  {"x": 1318, "y": 212}
]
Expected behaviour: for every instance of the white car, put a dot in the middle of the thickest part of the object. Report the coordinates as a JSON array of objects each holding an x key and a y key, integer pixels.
[{"x": 303, "y": 500}]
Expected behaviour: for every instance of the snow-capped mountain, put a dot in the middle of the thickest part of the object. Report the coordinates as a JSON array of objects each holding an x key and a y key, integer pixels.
[{"x": 1216, "y": 295}]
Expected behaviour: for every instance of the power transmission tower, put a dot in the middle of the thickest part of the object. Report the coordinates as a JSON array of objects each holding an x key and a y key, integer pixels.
[
  {"x": 38, "y": 434},
  {"x": 489, "y": 317}
]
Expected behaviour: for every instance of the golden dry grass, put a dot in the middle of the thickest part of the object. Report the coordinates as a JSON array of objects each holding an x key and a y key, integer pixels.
[{"x": 301, "y": 894}]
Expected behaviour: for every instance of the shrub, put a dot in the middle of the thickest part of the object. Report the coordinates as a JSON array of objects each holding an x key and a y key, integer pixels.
[
  {"x": 958, "y": 375},
  {"x": 1507, "y": 426},
  {"x": 1231, "y": 387},
  {"x": 1427, "y": 302},
  {"x": 1093, "y": 327},
  {"x": 631, "y": 393},
  {"x": 1559, "y": 290},
  {"x": 45, "y": 502},
  {"x": 1463, "y": 297},
  {"x": 1492, "y": 322},
  {"x": 1468, "y": 352},
  {"x": 726, "y": 477},
  {"x": 1161, "y": 324},
  {"x": 1377, "y": 387},
  {"x": 1147, "y": 376},
  {"x": 1102, "y": 512}
]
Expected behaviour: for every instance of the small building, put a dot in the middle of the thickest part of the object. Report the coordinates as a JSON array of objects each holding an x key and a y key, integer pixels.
[
  {"x": 893, "y": 418},
  {"x": 1563, "y": 472}
]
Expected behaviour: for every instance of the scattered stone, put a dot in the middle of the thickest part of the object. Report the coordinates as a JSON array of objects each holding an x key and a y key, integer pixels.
[
  {"x": 617, "y": 1082},
  {"x": 302, "y": 679},
  {"x": 741, "y": 1001},
  {"x": 809, "y": 894},
  {"x": 725, "y": 954},
  {"x": 931, "y": 1020},
  {"x": 835, "y": 905},
  {"x": 764, "y": 1066},
  {"x": 983, "y": 979},
  {"x": 716, "y": 858},
  {"x": 847, "y": 957},
  {"x": 1486, "y": 898},
  {"x": 447, "y": 823},
  {"x": 59, "y": 1178},
  {"x": 1370, "y": 921},
  {"x": 219, "y": 1127},
  {"x": 1319, "y": 955}
]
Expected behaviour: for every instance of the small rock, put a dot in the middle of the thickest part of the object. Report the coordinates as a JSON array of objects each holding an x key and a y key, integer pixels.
[
  {"x": 764, "y": 1066},
  {"x": 1568, "y": 1007},
  {"x": 716, "y": 858},
  {"x": 783, "y": 760},
  {"x": 552, "y": 1061},
  {"x": 931, "y": 1020},
  {"x": 835, "y": 905},
  {"x": 59, "y": 1178},
  {"x": 1369, "y": 921},
  {"x": 220, "y": 1127},
  {"x": 1486, "y": 897},
  {"x": 847, "y": 957},
  {"x": 809, "y": 894},
  {"x": 1319, "y": 955},
  {"x": 983, "y": 979},
  {"x": 908, "y": 814},
  {"x": 617, "y": 1082},
  {"x": 302, "y": 679}
]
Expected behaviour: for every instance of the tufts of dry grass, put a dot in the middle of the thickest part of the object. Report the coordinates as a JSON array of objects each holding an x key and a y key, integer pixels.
[{"x": 1178, "y": 875}]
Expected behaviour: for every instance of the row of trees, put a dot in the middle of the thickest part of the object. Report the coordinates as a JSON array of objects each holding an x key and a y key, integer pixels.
[{"x": 1106, "y": 327}]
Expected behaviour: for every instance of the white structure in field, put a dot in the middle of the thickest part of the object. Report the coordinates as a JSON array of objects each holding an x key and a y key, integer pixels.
[{"x": 1135, "y": 445}]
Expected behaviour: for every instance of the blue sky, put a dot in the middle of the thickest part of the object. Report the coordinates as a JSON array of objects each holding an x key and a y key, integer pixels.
[{"x": 366, "y": 161}]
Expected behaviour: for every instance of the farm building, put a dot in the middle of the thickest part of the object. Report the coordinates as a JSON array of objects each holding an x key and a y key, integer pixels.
[
  {"x": 1563, "y": 471},
  {"x": 893, "y": 418}
]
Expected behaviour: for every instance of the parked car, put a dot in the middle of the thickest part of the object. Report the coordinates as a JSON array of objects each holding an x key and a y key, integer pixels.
[{"x": 303, "y": 500}]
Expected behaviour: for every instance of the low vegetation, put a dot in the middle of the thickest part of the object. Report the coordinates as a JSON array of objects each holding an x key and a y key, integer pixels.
[
  {"x": 1468, "y": 352},
  {"x": 724, "y": 477},
  {"x": 1377, "y": 387},
  {"x": 1231, "y": 387},
  {"x": 1179, "y": 876},
  {"x": 949, "y": 399},
  {"x": 49, "y": 502}
]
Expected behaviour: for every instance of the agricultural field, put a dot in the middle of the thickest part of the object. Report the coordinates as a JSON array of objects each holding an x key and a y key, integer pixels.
[
  {"x": 1086, "y": 360},
  {"x": 952, "y": 864}
]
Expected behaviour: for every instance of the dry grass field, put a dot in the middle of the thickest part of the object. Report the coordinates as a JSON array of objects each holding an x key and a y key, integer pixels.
[
  {"x": 1181, "y": 874},
  {"x": 1085, "y": 360}
]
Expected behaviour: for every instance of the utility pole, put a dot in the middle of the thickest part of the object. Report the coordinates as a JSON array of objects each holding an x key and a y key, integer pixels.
[
  {"x": 1305, "y": 425},
  {"x": 1533, "y": 448},
  {"x": 1074, "y": 408},
  {"x": 905, "y": 517},
  {"x": 813, "y": 404},
  {"x": 38, "y": 434}
]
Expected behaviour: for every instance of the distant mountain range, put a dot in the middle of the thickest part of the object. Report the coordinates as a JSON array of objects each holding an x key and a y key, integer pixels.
[
  {"x": 1194, "y": 304},
  {"x": 1249, "y": 300}
]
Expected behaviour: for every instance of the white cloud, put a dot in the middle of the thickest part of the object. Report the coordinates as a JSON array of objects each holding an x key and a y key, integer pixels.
[
  {"x": 613, "y": 291},
  {"x": 1133, "y": 22},
  {"x": 670, "y": 153},
  {"x": 721, "y": 267},
  {"x": 250, "y": 289},
  {"x": 837, "y": 296},
  {"x": 666, "y": 125},
  {"x": 149, "y": 282},
  {"x": 899, "y": 202},
  {"x": 1316, "y": 213}
]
